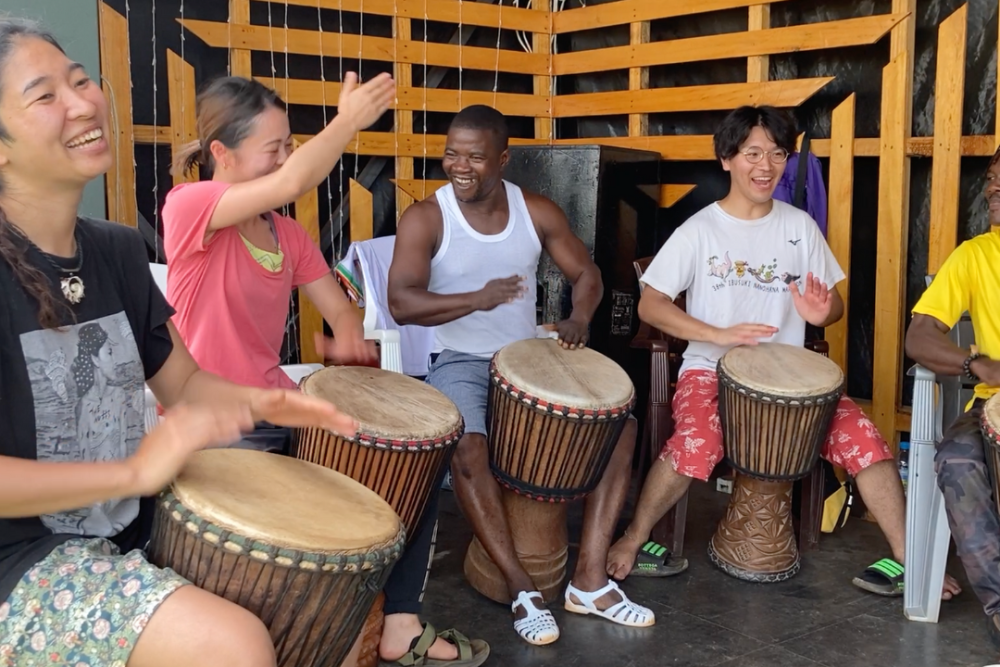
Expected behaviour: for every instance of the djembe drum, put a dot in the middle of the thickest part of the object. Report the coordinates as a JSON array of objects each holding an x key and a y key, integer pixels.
[
  {"x": 408, "y": 431},
  {"x": 990, "y": 424},
  {"x": 304, "y": 548},
  {"x": 776, "y": 403},
  {"x": 554, "y": 417}
]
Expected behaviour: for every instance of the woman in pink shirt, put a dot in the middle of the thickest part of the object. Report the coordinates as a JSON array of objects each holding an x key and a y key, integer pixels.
[{"x": 232, "y": 261}]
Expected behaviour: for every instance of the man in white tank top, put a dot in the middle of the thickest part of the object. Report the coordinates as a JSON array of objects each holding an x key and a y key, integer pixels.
[
  {"x": 753, "y": 269},
  {"x": 465, "y": 262}
]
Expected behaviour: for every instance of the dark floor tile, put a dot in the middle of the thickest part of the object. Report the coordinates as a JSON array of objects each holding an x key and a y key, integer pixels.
[{"x": 771, "y": 656}]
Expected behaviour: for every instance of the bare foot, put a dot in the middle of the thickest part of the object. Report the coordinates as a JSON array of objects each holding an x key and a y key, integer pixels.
[
  {"x": 401, "y": 630},
  {"x": 950, "y": 588},
  {"x": 621, "y": 557}
]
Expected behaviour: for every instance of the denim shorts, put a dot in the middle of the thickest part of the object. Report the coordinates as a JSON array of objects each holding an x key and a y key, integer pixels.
[{"x": 465, "y": 379}]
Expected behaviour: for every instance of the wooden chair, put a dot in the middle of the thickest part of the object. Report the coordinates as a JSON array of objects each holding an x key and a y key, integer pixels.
[{"x": 665, "y": 360}]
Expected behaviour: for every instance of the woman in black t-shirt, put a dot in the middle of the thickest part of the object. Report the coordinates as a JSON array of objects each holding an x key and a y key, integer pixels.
[{"x": 82, "y": 327}]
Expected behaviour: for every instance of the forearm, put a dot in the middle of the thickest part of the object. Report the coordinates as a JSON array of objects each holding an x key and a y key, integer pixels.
[
  {"x": 427, "y": 309},
  {"x": 836, "y": 313},
  {"x": 662, "y": 313},
  {"x": 31, "y": 488},
  {"x": 588, "y": 291},
  {"x": 935, "y": 351},
  {"x": 312, "y": 162}
]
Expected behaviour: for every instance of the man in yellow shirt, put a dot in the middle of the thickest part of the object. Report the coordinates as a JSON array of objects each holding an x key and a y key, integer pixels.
[{"x": 969, "y": 281}]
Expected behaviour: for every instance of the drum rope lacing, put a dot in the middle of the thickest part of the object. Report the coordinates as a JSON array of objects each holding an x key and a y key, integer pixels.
[
  {"x": 395, "y": 444},
  {"x": 791, "y": 401},
  {"x": 380, "y": 556}
]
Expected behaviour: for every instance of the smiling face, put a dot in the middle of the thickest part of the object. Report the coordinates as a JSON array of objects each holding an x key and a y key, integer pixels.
[
  {"x": 54, "y": 115},
  {"x": 474, "y": 162},
  {"x": 262, "y": 152},
  {"x": 755, "y": 182},
  {"x": 992, "y": 193}
]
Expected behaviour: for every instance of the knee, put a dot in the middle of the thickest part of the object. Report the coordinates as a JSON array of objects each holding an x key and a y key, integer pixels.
[
  {"x": 243, "y": 641},
  {"x": 626, "y": 441}
]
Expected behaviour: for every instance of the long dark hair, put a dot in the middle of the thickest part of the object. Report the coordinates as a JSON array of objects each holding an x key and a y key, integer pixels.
[
  {"x": 12, "y": 246},
  {"x": 227, "y": 109}
]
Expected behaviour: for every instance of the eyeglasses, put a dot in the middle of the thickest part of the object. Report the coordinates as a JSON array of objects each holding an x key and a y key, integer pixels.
[{"x": 755, "y": 155}]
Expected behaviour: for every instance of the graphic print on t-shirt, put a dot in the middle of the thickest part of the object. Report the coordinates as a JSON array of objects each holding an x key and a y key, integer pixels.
[
  {"x": 87, "y": 387},
  {"x": 767, "y": 277}
]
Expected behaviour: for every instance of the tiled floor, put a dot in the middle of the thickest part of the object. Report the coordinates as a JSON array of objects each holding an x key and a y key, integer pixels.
[{"x": 705, "y": 618}]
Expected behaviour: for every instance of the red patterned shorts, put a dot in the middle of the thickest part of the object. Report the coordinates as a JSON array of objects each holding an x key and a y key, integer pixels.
[{"x": 853, "y": 442}]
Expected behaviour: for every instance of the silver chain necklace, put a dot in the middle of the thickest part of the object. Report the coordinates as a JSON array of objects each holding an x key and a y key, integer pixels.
[{"x": 69, "y": 280}]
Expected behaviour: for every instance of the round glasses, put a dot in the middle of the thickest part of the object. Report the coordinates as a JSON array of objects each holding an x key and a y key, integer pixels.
[{"x": 755, "y": 155}]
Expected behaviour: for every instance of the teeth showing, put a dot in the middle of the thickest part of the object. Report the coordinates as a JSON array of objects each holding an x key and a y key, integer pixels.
[
  {"x": 85, "y": 139},
  {"x": 463, "y": 181}
]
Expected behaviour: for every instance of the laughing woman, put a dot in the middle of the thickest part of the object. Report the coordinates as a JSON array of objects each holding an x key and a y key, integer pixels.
[{"x": 82, "y": 327}]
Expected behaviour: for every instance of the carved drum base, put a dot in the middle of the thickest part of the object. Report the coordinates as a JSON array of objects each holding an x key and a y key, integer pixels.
[{"x": 756, "y": 541}]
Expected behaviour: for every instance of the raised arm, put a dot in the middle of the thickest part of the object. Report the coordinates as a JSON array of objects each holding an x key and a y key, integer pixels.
[
  {"x": 359, "y": 107},
  {"x": 409, "y": 300}
]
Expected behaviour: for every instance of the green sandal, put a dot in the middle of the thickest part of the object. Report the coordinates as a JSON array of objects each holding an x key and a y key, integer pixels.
[
  {"x": 471, "y": 653},
  {"x": 654, "y": 560},
  {"x": 884, "y": 577}
]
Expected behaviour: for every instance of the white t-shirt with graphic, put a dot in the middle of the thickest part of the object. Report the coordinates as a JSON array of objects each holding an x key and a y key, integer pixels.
[{"x": 737, "y": 271}]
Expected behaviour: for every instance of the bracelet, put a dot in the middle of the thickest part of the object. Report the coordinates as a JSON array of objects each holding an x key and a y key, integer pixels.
[{"x": 967, "y": 366}]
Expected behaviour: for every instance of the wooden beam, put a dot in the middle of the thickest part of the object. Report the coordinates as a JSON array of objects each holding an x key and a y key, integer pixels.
[
  {"x": 116, "y": 80},
  {"x": 183, "y": 119},
  {"x": 468, "y": 12},
  {"x": 310, "y": 319},
  {"x": 150, "y": 134},
  {"x": 758, "y": 66},
  {"x": 401, "y": 31},
  {"x": 418, "y": 188},
  {"x": 670, "y": 194},
  {"x": 949, "y": 89},
  {"x": 688, "y": 98},
  {"x": 408, "y": 98},
  {"x": 839, "y": 218},
  {"x": 239, "y": 59},
  {"x": 334, "y": 44},
  {"x": 542, "y": 85},
  {"x": 893, "y": 226},
  {"x": 809, "y": 37},
  {"x": 607, "y": 14},
  {"x": 638, "y": 79},
  {"x": 362, "y": 225}
]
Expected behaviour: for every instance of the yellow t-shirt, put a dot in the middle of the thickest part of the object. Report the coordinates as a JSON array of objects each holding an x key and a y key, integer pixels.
[{"x": 969, "y": 281}]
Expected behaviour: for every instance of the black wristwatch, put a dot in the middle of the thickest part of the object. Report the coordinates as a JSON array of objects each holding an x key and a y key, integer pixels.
[{"x": 967, "y": 366}]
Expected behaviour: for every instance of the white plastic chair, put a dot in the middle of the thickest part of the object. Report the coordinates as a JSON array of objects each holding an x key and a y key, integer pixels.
[{"x": 388, "y": 340}]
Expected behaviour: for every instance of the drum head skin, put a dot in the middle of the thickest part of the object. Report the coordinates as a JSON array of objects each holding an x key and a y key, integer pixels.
[
  {"x": 582, "y": 379},
  {"x": 782, "y": 370},
  {"x": 285, "y": 502},
  {"x": 388, "y": 405},
  {"x": 991, "y": 414}
]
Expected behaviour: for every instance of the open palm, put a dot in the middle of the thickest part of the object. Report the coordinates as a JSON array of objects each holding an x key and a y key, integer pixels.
[{"x": 814, "y": 302}]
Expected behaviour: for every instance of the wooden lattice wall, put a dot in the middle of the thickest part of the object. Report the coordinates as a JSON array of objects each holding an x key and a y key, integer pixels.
[{"x": 895, "y": 147}]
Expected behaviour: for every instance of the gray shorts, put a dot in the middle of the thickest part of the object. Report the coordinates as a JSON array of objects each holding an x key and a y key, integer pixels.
[{"x": 465, "y": 380}]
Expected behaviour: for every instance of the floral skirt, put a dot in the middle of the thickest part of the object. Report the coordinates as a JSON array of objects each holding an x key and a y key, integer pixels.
[{"x": 83, "y": 605}]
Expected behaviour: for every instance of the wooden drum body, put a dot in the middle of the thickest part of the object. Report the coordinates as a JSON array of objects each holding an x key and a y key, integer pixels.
[
  {"x": 990, "y": 423},
  {"x": 776, "y": 403},
  {"x": 554, "y": 417},
  {"x": 302, "y": 547}
]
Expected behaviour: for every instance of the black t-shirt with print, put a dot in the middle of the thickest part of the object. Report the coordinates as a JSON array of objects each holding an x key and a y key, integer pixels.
[{"x": 77, "y": 394}]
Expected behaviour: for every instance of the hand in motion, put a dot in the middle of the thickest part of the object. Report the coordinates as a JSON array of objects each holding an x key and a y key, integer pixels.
[
  {"x": 363, "y": 105},
  {"x": 499, "y": 291},
  {"x": 815, "y": 301},
  {"x": 743, "y": 334},
  {"x": 347, "y": 349},
  {"x": 572, "y": 334}
]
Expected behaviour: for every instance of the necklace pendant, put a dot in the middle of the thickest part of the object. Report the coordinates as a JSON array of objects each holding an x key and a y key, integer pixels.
[{"x": 72, "y": 289}]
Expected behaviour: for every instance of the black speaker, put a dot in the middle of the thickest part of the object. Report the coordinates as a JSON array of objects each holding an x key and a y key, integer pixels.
[{"x": 611, "y": 197}]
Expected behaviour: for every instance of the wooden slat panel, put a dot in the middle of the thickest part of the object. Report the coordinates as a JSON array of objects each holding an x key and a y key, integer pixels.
[
  {"x": 303, "y": 91},
  {"x": 841, "y": 199},
  {"x": 148, "y": 134},
  {"x": 947, "y": 164},
  {"x": 638, "y": 79},
  {"x": 183, "y": 119},
  {"x": 403, "y": 74},
  {"x": 758, "y": 66},
  {"x": 688, "y": 98},
  {"x": 310, "y": 319},
  {"x": 418, "y": 188},
  {"x": 633, "y": 11},
  {"x": 239, "y": 59},
  {"x": 362, "y": 216},
  {"x": 810, "y": 37},
  {"x": 117, "y": 84},
  {"x": 332, "y": 45},
  {"x": 446, "y": 11},
  {"x": 388, "y": 144},
  {"x": 542, "y": 85},
  {"x": 671, "y": 193}
]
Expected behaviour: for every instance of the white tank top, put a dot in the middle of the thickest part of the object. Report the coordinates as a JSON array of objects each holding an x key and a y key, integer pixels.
[{"x": 467, "y": 260}]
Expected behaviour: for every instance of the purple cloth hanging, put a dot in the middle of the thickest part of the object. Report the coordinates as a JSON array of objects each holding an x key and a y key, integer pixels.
[{"x": 815, "y": 200}]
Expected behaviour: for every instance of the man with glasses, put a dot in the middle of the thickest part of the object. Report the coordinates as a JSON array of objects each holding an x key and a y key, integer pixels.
[{"x": 754, "y": 269}]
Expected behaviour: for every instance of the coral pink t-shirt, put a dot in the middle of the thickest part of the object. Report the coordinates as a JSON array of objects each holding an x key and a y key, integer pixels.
[{"x": 231, "y": 311}]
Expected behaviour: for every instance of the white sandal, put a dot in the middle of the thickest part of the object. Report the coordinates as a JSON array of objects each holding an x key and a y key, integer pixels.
[
  {"x": 625, "y": 612},
  {"x": 539, "y": 626}
]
